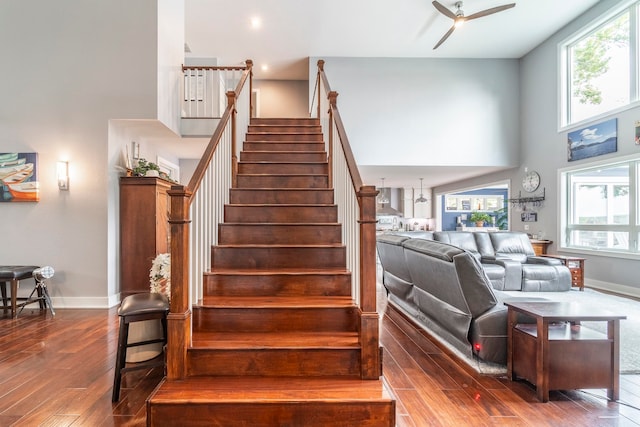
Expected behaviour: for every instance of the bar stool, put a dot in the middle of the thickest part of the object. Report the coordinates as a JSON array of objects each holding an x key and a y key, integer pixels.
[{"x": 137, "y": 308}]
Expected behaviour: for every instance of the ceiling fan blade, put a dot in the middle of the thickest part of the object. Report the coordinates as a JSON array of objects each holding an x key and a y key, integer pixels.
[
  {"x": 444, "y": 10},
  {"x": 489, "y": 11},
  {"x": 446, "y": 36}
]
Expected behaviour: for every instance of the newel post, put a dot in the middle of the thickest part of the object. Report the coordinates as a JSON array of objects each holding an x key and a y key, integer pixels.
[
  {"x": 179, "y": 319},
  {"x": 231, "y": 101},
  {"x": 333, "y": 103},
  {"x": 319, "y": 88},
  {"x": 369, "y": 333},
  {"x": 249, "y": 64}
]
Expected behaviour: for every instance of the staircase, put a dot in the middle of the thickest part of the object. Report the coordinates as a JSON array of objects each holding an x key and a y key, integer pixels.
[{"x": 275, "y": 339}]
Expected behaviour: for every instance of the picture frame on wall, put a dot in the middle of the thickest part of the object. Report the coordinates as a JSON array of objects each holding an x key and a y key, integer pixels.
[
  {"x": 595, "y": 140},
  {"x": 19, "y": 177},
  {"x": 529, "y": 216}
]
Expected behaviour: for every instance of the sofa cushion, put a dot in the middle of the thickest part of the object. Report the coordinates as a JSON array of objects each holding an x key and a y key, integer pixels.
[
  {"x": 461, "y": 239},
  {"x": 511, "y": 244},
  {"x": 483, "y": 243},
  {"x": 396, "y": 278},
  {"x": 475, "y": 284},
  {"x": 435, "y": 249},
  {"x": 545, "y": 278}
]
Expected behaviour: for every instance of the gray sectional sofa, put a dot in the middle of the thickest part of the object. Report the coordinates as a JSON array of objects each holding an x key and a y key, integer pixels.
[{"x": 452, "y": 284}]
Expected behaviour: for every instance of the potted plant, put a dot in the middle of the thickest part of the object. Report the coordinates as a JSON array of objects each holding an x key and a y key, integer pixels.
[
  {"x": 479, "y": 218},
  {"x": 145, "y": 168}
]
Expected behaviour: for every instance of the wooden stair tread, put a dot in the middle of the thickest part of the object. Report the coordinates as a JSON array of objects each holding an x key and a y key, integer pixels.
[
  {"x": 283, "y": 246},
  {"x": 283, "y": 205},
  {"x": 270, "y": 389},
  {"x": 280, "y": 271},
  {"x": 279, "y": 340},
  {"x": 254, "y": 302}
]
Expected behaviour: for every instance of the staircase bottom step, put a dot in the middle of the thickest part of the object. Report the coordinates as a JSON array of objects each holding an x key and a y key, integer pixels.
[{"x": 267, "y": 401}]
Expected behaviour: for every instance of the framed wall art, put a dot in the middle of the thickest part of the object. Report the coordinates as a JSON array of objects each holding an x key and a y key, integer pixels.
[
  {"x": 594, "y": 140},
  {"x": 19, "y": 177}
]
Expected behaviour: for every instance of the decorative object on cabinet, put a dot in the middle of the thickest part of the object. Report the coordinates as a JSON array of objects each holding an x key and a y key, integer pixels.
[
  {"x": 143, "y": 167},
  {"x": 144, "y": 229},
  {"x": 531, "y": 181},
  {"x": 595, "y": 140}
]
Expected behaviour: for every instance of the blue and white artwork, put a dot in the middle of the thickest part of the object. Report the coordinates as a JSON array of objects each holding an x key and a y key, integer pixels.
[{"x": 595, "y": 140}]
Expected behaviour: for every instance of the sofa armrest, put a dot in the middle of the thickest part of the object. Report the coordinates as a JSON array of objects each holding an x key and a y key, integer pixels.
[
  {"x": 512, "y": 271},
  {"x": 543, "y": 260}
]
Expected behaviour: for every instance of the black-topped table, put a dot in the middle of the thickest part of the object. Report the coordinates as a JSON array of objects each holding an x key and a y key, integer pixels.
[{"x": 556, "y": 353}]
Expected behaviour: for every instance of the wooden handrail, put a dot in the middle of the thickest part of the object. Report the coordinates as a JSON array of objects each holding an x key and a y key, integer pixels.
[
  {"x": 182, "y": 197},
  {"x": 366, "y": 226}
]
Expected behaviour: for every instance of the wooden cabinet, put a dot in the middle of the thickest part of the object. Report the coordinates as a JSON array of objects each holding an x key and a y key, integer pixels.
[
  {"x": 540, "y": 246},
  {"x": 144, "y": 229},
  {"x": 575, "y": 266}
]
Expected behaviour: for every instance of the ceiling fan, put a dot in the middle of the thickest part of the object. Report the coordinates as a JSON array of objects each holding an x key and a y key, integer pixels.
[{"x": 459, "y": 18}]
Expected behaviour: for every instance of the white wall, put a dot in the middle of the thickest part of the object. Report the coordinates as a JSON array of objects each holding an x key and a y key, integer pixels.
[
  {"x": 170, "y": 57},
  {"x": 283, "y": 98},
  {"x": 544, "y": 149},
  {"x": 74, "y": 65},
  {"x": 404, "y": 112}
]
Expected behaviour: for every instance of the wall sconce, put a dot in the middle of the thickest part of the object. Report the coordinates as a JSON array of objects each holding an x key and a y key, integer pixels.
[{"x": 63, "y": 175}]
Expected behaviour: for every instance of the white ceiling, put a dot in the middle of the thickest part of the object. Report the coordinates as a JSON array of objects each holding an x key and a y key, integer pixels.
[{"x": 291, "y": 31}]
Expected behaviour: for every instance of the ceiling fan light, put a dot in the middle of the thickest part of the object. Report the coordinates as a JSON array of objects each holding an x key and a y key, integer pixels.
[{"x": 459, "y": 22}]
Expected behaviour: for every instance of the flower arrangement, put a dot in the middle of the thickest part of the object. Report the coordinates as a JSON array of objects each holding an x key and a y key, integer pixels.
[{"x": 160, "y": 275}]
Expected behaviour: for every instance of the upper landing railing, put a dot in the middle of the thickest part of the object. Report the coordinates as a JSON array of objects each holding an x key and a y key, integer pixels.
[{"x": 198, "y": 208}]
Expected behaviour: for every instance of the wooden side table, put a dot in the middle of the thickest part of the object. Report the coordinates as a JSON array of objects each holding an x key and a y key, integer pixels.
[
  {"x": 540, "y": 246},
  {"x": 557, "y": 353},
  {"x": 575, "y": 266}
]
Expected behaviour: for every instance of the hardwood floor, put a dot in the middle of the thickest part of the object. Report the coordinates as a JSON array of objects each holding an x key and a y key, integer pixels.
[{"x": 59, "y": 372}]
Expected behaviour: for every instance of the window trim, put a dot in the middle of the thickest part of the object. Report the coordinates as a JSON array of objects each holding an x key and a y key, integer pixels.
[
  {"x": 563, "y": 59},
  {"x": 633, "y": 228}
]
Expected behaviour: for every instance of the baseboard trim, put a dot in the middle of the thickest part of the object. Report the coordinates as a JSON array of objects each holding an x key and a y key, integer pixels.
[
  {"x": 85, "y": 302},
  {"x": 613, "y": 287}
]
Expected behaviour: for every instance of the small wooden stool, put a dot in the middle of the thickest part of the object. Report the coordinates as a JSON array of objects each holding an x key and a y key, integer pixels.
[
  {"x": 13, "y": 274},
  {"x": 136, "y": 308}
]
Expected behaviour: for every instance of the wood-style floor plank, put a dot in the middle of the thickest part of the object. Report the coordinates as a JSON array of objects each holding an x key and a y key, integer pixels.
[{"x": 58, "y": 371}]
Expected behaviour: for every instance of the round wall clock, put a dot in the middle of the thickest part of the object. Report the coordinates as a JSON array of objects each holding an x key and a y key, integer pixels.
[{"x": 531, "y": 181}]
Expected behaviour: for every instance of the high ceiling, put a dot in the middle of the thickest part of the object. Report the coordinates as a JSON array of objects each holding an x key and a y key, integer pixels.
[{"x": 291, "y": 31}]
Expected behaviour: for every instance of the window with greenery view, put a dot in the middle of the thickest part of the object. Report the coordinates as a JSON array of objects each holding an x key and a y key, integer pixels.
[
  {"x": 601, "y": 67},
  {"x": 601, "y": 210}
]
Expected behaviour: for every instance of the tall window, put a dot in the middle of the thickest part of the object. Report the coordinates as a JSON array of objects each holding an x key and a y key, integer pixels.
[
  {"x": 600, "y": 72},
  {"x": 602, "y": 207}
]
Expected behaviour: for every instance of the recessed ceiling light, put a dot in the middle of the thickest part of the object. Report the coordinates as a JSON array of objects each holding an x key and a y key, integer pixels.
[
  {"x": 264, "y": 67},
  {"x": 256, "y": 22}
]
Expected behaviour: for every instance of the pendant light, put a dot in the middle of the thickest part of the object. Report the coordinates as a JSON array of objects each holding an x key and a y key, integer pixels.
[
  {"x": 421, "y": 199},
  {"x": 382, "y": 198}
]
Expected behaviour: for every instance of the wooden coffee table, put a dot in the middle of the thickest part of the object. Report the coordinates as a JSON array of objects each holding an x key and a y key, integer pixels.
[{"x": 557, "y": 353}]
